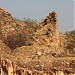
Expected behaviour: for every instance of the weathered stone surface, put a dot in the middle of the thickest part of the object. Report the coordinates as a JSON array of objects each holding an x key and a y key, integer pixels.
[
  {"x": 36, "y": 46},
  {"x": 49, "y": 33},
  {"x": 8, "y": 67},
  {"x": 15, "y": 33},
  {"x": 11, "y": 30}
]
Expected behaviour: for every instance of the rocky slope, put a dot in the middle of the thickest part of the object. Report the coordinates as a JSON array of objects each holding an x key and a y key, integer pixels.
[{"x": 34, "y": 45}]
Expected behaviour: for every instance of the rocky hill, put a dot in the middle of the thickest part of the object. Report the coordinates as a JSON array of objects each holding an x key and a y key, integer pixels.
[{"x": 37, "y": 45}]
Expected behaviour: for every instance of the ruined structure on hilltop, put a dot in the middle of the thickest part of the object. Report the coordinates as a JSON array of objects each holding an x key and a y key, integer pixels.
[
  {"x": 51, "y": 18},
  {"x": 15, "y": 33},
  {"x": 50, "y": 31},
  {"x": 34, "y": 47}
]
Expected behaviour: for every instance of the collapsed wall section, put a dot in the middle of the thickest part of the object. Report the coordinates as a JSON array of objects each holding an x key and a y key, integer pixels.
[{"x": 50, "y": 29}]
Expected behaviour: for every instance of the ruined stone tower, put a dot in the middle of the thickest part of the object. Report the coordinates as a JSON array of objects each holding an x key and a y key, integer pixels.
[
  {"x": 50, "y": 31},
  {"x": 52, "y": 21}
]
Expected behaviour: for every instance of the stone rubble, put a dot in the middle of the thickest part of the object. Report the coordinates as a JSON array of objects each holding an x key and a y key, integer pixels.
[
  {"x": 34, "y": 46},
  {"x": 8, "y": 67}
]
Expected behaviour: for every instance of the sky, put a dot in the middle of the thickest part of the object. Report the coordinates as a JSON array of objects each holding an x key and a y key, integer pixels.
[{"x": 39, "y": 9}]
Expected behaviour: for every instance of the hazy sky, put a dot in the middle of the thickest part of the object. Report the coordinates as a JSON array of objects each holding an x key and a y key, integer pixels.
[{"x": 39, "y": 9}]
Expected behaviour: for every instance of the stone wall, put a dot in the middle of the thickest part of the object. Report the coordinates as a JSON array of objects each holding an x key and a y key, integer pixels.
[
  {"x": 16, "y": 33},
  {"x": 50, "y": 31}
]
